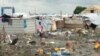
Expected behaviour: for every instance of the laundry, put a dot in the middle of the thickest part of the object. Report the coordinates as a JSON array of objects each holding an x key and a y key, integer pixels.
[
  {"x": 24, "y": 23},
  {"x": 7, "y": 18}
]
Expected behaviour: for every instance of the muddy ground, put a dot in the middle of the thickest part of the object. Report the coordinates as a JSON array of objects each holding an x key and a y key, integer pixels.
[{"x": 81, "y": 46}]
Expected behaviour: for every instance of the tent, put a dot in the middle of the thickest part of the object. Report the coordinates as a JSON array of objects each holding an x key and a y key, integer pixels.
[{"x": 92, "y": 9}]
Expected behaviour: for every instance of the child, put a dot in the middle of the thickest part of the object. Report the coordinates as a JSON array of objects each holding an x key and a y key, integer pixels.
[{"x": 40, "y": 29}]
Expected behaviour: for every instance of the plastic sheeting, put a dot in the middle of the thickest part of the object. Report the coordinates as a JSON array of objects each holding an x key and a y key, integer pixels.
[
  {"x": 47, "y": 23},
  {"x": 25, "y": 15},
  {"x": 94, "y": 18}
]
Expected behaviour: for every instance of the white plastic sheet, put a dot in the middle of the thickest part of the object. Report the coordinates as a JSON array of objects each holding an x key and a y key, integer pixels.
[{"x": 94, "y": 18}]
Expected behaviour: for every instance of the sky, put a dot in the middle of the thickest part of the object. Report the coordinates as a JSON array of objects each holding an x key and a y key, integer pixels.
[{"x": 47, "y": 6}]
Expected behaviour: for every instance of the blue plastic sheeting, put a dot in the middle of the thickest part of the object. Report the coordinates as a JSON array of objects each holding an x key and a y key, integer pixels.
[
  {"x": 54, "y": 54},
  {"x": 65, "y": 54},
  {"x": 46, "y": 24},
  {"x": 60, "y": 53},
  {"x": 24, "y": 23}
]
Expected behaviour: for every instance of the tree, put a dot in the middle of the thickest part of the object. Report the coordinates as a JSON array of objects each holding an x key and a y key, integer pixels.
[{"x": 79, "y": 9}]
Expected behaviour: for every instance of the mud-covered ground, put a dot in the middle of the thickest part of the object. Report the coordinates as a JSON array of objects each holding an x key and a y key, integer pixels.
[{"x": 80, "y": 45}]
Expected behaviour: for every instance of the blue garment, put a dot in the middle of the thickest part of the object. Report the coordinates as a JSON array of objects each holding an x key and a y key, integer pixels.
[
  {"x": 54, "y": 54},
  {"x": 65, "y": 54},
  {"x": 25, "y": 23}
]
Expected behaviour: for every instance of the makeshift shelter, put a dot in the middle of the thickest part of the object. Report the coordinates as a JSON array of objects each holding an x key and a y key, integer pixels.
[
  {"x": 46, "y": 22},
  {"x": 51, "y": 23},
  {"x": 92, "y": 9},
  {"x": 54, "y": 26},
  {"x": 19, "y": 25},
  {"x": 57, "y": 23},
  {"x": 73, "y": 22},
  {"x": 94, "y": 18}
]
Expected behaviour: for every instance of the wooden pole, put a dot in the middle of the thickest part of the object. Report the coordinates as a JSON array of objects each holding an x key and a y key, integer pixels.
[
  {"x": 4, "y": 33},
  {"x": 61, "y": 21}
]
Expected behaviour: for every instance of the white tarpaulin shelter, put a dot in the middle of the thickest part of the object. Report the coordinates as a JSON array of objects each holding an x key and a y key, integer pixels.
[{"x": 94, "y": 18}]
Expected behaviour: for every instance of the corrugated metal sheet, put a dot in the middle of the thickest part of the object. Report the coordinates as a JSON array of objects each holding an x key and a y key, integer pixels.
[
  {"x": 18, "y": 27},
  {"x": 31, "y": 26}
]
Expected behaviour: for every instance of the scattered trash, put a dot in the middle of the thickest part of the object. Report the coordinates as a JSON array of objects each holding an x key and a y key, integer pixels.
[
  {"x": 32, "y": 42},
  {"x": 97, "y": 46}
]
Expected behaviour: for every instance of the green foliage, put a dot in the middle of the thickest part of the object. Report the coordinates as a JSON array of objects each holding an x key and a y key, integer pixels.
[{"x": 79, "y": 9}]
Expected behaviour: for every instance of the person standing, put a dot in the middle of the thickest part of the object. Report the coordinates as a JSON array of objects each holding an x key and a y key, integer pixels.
[{"x": 40, "y": 29}]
